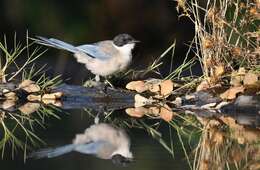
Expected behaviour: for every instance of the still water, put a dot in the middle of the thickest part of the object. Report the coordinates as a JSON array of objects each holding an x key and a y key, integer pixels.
[
  {"x": 147, "y": 152},
  {"x": 193, "y": 138},
  {"x": 209, "y": 139}
]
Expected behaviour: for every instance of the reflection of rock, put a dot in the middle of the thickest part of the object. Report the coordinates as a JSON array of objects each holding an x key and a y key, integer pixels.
[
  {"x": 164, "y": 112},
  {"x": 138, "y": 86},
  {"x": 198, "y": 99},
  {"x": 245, "y": 110},
  {"x": 29, "y": 108},
  {"x": 8, "y": 104},
  {"x": 136, "y": 112},
  {"x": 166, "y": 87},
  {"x": 241, "y": 133},
  {"x": 52, "y": 98},
  {"x": 10, "y": 96},
  {"x": 223, "y": 136}
]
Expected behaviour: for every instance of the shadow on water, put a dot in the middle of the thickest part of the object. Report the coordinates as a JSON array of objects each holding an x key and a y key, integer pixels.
[{"x": 194, "y": 138}]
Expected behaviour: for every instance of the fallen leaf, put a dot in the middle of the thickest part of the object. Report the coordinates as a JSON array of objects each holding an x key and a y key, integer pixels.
[
  {"x": 250, "y": 79},
  {"x": 219, "y": 71},
  {"x": 138, "y": 86},
  {"x": 236, "y": 80},
  {"x": 154, "y": 111},
  {"x": 232, "y": 92},
  {"x": 8, "y": 104},
  {"x": 166, "y": 87},
  {"x": 241, "y": 71},
  {"x": 204, "y": 85},
  {"x": 237, "y": 77},
  {"x": 137, "y": 112},
  {"x": 154, "y": 88},
  {"x": 11, "y": 96},
  {"x": 153, "y": 84},
  {"x": 26, "y": 83},
  {"x": 254, "y": 166},
  {"x": 166, "y": 113},
  {"x": 241, "y": 140}
]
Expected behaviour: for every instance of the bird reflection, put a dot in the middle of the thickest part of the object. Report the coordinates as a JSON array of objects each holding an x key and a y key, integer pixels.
[{"x": 102, "y": 140}]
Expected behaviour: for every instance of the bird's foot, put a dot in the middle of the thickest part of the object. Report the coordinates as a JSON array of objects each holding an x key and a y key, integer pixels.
[
  {"x": 97, "y": 119},
  {"x": 91, "y": 83},
  {"x": 99, "y": 86}
]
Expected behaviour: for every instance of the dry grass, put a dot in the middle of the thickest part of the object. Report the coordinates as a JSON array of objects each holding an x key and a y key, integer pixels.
[{"x": 226, "y": 35}]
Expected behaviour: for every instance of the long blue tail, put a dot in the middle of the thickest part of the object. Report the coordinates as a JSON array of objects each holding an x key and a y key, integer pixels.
[
  {"x": 52, "y": 152},
  {"x": 51, "y": 42}
]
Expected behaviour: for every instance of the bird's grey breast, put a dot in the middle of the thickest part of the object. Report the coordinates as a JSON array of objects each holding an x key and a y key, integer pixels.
[
  {"x": 106, "y": 150},
  {"x": 101, "y": 149}
]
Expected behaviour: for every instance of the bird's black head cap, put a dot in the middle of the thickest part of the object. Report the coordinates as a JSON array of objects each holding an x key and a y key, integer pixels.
[
  {"x": 121, "y": 160},
  {"x": 123, "y": 39}
]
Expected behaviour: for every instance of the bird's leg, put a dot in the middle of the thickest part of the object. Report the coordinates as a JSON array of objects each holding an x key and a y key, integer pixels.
[
  {"x": 96, "y": 120},
  {"x": 91, "y": 83},
  {"x": 97, "y": 78}
]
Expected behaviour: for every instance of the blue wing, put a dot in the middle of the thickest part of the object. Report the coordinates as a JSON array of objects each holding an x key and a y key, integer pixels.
[
  {"x": 51, "y": 42},
  {"x": 94, "y": 51},
  {"x": 90, "y": 148},
  {"x": 52, "y": 152}
]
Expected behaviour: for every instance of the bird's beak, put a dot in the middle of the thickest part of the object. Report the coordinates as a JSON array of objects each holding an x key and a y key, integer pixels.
[
  {"x": 135, "y": 41},
  {"x": 130, "y": 159}
]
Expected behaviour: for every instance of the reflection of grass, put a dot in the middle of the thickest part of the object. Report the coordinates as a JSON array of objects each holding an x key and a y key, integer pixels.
[
  {"x": 12, "y": 124},
  {"x": 152, "y": 130},
  {"x": 217, "y": 149},
  {"x": 183, "y": 132},
  {"x": 186, "y": 128},
  {"x": 17, "y": 128},
  {"x": 222, "y": 40},
  {"x": 226, "y": 38}
]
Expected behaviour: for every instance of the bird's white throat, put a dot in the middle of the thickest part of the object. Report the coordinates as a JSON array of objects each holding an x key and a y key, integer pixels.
[
  {"x": 125, "y": 152},
  {"x": 126, "y": 50}
]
